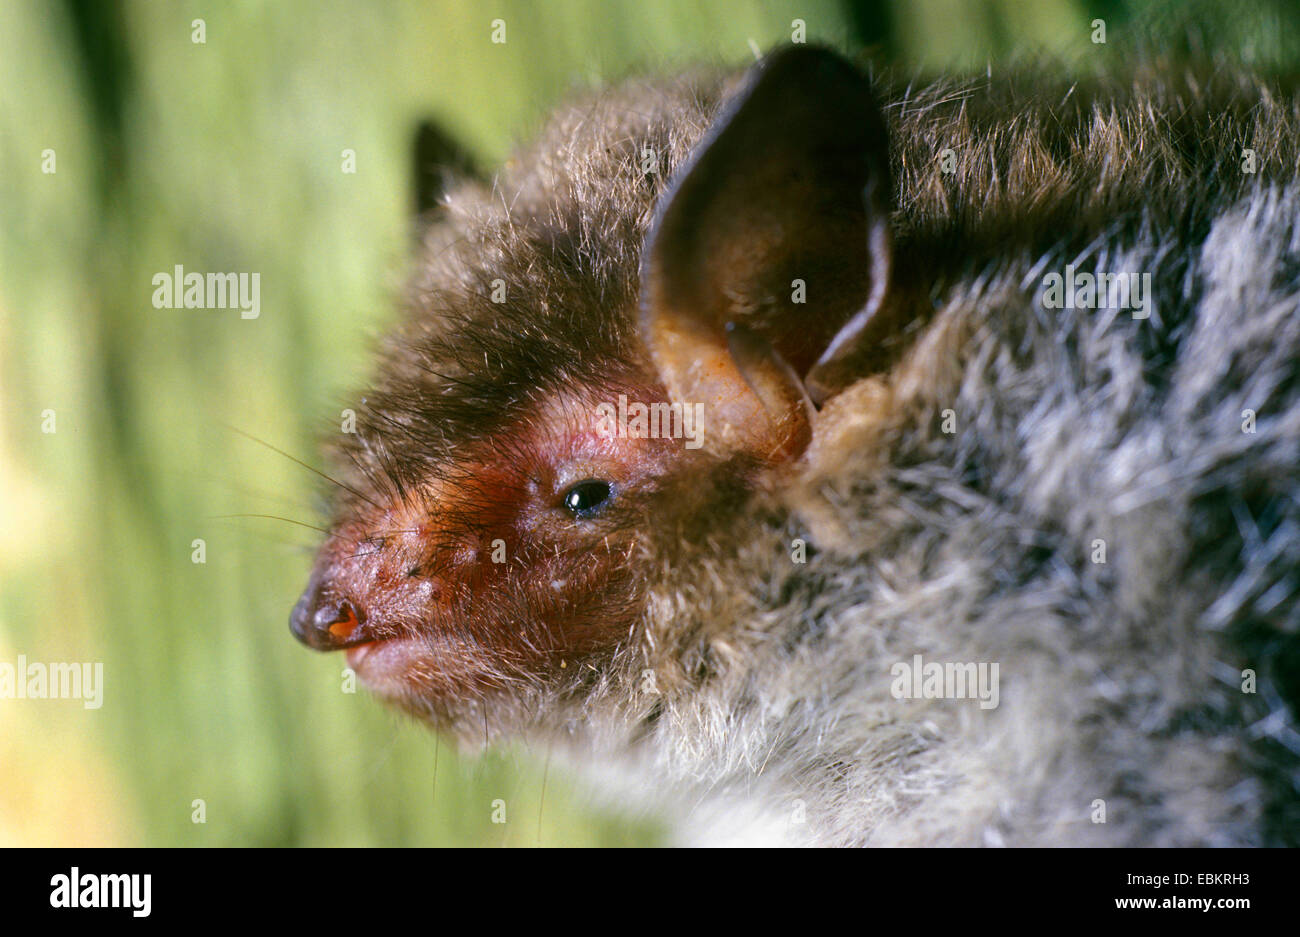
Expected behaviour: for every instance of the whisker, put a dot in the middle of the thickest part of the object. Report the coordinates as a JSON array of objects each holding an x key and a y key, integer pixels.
[
  {"x": 248, "y": 491},
  {"x": 272, "y": 517},
  {"x": 290, "y": 546},
  {"x": 541, "y": 800},
  {"x": 437, "y": 745},
  {"x": 316, "y": 471}
]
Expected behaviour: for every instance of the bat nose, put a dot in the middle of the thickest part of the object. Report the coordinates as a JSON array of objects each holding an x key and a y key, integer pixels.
[{"x": 325, "y": 621}]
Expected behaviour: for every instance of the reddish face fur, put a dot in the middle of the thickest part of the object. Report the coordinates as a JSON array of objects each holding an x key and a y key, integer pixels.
[{"x": 482, "y": 576}]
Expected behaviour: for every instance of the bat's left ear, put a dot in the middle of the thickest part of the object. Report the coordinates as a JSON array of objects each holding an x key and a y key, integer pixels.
[
  {"x": 438, "y": 162},
  {"x": 770, "y": 252}
]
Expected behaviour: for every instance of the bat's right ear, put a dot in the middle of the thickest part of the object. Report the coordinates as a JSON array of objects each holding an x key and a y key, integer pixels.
[
  {"x": 438, "y": 162},
  {"x": 771, "y": 251}
]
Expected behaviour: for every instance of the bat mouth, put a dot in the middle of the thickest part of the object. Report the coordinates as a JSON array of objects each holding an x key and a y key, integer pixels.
[
  {"x": 386, "y": 656},
  {"x": 355, "y": 655},
  {"x": 413, "y": 673},
  {"x": 389, "y": 666}
]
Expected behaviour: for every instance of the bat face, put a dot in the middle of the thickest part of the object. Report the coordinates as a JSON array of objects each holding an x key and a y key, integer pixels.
[
  {"x": 506, "y": 568},
  {"x": 528, "y": 464}
]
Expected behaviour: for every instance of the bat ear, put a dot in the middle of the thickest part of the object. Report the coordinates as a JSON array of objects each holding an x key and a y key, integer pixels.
[
  {"x": 438, "y": 162},
  {"x": 771, "y": 251}
]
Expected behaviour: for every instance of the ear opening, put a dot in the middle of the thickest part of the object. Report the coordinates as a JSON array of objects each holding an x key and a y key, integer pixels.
[{"x": 770, "y": 252}]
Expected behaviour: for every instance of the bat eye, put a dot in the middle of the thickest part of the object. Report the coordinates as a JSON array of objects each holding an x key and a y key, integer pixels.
[{"x": 587, "y": 498}]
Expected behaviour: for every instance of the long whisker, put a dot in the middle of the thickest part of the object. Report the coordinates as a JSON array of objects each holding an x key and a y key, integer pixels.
[
  {"x": 273, "y": 517},
  {"x": 309, "y": 468},
  {"x": 247, "y": 491}
]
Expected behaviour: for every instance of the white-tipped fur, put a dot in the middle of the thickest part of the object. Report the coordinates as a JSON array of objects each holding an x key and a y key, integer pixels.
[
  {"x": 1117, "y": 683},
  {"x": 953, "y": 505}
]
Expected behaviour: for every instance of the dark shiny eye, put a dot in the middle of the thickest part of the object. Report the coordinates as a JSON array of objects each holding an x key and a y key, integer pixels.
[{"x": 587, "y": 498}]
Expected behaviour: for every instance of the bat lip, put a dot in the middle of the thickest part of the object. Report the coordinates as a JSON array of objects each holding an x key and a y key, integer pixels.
[
  {"x": 387, "y": 666},
  {"x": 359, "y": 652}
]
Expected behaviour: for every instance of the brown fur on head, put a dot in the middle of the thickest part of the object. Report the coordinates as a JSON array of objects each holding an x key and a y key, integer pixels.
[
  {"x": 455, "y": 569},
  {"x": 457, "y": 551},
  {"x": 473, "y": 591}
]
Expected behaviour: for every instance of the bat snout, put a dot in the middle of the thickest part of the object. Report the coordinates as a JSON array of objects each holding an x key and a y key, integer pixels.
[{"x": 326, "y": 621}]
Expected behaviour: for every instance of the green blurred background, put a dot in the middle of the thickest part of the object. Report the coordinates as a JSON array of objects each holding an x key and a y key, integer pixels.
[{"x": 227, "y": 155}]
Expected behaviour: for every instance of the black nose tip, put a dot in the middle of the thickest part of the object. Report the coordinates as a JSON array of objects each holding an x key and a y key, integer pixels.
[{"x": 326, "y": 622}]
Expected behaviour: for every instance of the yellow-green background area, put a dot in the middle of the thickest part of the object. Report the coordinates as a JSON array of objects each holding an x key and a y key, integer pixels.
[{"x": 227, "y": 156}]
